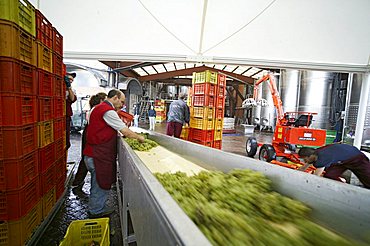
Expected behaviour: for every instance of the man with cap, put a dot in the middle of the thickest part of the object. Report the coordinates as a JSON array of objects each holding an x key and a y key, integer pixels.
[
  {"x": 70, "y": 98},
  {"x": 335, "y": 159}
]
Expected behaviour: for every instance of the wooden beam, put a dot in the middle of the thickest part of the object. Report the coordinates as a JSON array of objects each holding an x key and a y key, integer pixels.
[{"x": 236, "y": 88}]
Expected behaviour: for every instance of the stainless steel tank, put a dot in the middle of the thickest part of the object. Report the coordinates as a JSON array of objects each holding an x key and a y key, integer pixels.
[
  {"x": 171, "y": 90},
  {"x": 289, "y": 89},
  {"x": 256, "y": 110},
  {"x": 268, "y": 110},
  {"x": 183, "y": 89},
  {"x": 315, "y": 96}
]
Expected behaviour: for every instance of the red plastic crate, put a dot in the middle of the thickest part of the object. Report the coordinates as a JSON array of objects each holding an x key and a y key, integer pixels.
[
  {"x": 60, "y": 149},
  {"x": 221, "y": 80},
  {"x": 203, "y": 100},
  {"x": 44, "y": 30},
  {"x": 15, "y": 173},
  {"x": 48, "y": 179},
  {"x": 217, "y": 144},
  {"x": 221, "y": 92},
  {"x": 204, "y": 89},
  {"x": 14, "y": 204},
  {"x": 201, "y": 135},
  {"x": 205, "y": 143},
  {"x": 60, "y": 186},
  {"x": 45, "y": 82},
  {"x": 219, "y": 113},
  {"x": 46, "y": 157},
  {"x": 18, "y": 109},
  {"x": 61, "y": 166},
  {"x": 58, "y": 106},
  {"x": 220, "y": 103},
  {"x": 57, "y": 42},
  {"x": 46, "y": 110},
  {"x": 57, "y": 64},
  {"x": 48, "y": 202},
  {"x": 17, "y": 141},
  {"x": 59, "y": 87},
  {"x": 59, "y": 128},
  {"x": 17, "y": 77}
]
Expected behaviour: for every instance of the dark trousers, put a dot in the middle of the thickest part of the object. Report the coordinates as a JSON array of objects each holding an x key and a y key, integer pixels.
[
  {"x": 359, "y": 165},
  {"x": 82, "y": 169},
  {"x": 174, "y": 129}
]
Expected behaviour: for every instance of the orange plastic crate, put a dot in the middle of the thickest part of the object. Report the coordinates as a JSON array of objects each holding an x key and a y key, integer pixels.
[
  {"x": 57, "y": 42},
  {"x": 59, "y": 87},
  {"x": 19, "y": 44},
  {"x": 44, "y": 30},
  {"x": 17, "y": 141},
  {"x": 59, "y": 128},
  {"x": 60, "y": 186},
  {"x": 48, "y": 180},
  {"x": 15, "y": 173},
  {"x": 201, "y": 135},
  {"x": 14, "y": 204},
  {"x": 19, "y": 109},
  {"x": 57, "y": 64},
  {"x": 202, "y": 112},
  {"x": 219, "y": 113},
  {"x": 217, "y": 144},
  {"x": 60, "y": 149},
  {"x": 17, "y": 77},
  {"x": 203, "y": 100},
  {"x": 204, "y": 89},
  {"x": 205, "y": 143},
  {"x": 46, "y": 110},
  {"x": 58, "y": 106},
  {"x": 221, "y": 80},
  {"x": 45, "y": 82},
  {"x": 46, "y": 157},
  {"x": 61, "y": 166},
  {"x": 220, "y": 103},
  {"x": 44, "y": 57},
  {"x": 221, "y": 92}
]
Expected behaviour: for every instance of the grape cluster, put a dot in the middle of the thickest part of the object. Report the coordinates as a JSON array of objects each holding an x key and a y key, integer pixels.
[
  {"x": 136, "y": 145},
  {"x": 239, "y": 208}
]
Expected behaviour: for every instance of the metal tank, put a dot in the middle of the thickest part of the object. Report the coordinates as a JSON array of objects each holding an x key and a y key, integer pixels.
[
  {"x": 183, "y": 89},
  {"x": 289, "y": 89},
  {"x": 256, "y": 110},
  {"x": 268, "y": 109},
  {"x": 171, "y": 90},
  {"x": 315, "y": 96}
]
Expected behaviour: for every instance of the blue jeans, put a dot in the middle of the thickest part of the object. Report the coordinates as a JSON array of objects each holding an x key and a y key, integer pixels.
[{"x": 98, "y": 196}]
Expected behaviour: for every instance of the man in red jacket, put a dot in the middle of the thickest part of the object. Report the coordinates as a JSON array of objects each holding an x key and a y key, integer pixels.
[{"x": 101, "y": 150}]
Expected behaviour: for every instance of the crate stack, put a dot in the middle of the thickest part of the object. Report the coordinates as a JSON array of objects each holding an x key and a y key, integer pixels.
[
  {"x": 27, "y": 92},
  {"x": 160, "y": 110},
  {"x": 207, "y": 108}
]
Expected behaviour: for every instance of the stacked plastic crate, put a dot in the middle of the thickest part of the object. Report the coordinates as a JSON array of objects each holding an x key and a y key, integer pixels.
[
  {"x": 25, "y": 123},
  {"x": 219, "y": 110},
  {"x": 160, "y": 110},
  {"x": 202, "y": 108}
]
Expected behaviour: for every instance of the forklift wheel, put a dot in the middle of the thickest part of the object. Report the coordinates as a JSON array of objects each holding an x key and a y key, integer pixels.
[
  {"x": 251, "y": 147},
  {"x": 267, "y": 153}
]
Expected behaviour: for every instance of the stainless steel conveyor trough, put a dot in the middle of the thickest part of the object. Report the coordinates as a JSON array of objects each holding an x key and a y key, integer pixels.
[{"x": 151, "y": 217}]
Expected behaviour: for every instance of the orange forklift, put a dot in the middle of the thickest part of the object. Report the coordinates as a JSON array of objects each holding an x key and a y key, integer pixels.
[{"x": 292, "y": 128}]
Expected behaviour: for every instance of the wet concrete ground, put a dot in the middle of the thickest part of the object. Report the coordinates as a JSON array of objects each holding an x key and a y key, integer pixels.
[{"x": 74, "y": 206}]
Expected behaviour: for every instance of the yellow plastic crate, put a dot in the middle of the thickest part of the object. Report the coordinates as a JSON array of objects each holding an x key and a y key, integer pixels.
[
  {"x": 184, "y": 133},
  {"x": 20, "y": 12},
  {"x": 206, "y": 77},
  {"x": 48, "y": 202},
  {"x": 16, "y": 43},
  {"x": 44, "y": 57},
  {"x": 218, "y": 135},
  {"x": 45, "y": 132},
  {"x": 84, "y": 232},
  {"x": 219, "y": 123},
  {"x": 202, "y": 124},
  {"x": 202, "y": 112}
]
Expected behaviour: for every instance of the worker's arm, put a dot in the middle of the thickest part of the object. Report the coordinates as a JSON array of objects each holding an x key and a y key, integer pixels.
[
  {"x": 304, "y": 167},
  {"x": 71, "y": 94},
  {"x": 112, "y": 119}
]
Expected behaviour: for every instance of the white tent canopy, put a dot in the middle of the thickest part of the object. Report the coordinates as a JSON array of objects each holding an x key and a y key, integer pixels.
[{"x": 330, "y": 35}]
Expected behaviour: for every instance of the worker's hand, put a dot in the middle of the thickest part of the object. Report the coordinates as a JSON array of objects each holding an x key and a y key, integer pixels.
[
  {"x": 141, "y": 139},
  {"x": 68, "y": 83}
]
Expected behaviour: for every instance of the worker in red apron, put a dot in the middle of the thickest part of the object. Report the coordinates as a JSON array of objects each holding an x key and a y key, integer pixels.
[
  {"x": 101, "y": 150},
  {"x": 335, "y": 159}
]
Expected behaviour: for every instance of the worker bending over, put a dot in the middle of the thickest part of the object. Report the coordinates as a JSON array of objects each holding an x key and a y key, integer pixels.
[
  {"x": 335, "y": 159},
  {"x": 101, "y": 150}
]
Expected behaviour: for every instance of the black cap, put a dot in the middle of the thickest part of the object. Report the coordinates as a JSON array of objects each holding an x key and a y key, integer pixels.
[{"x": 72, "y": 74}]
